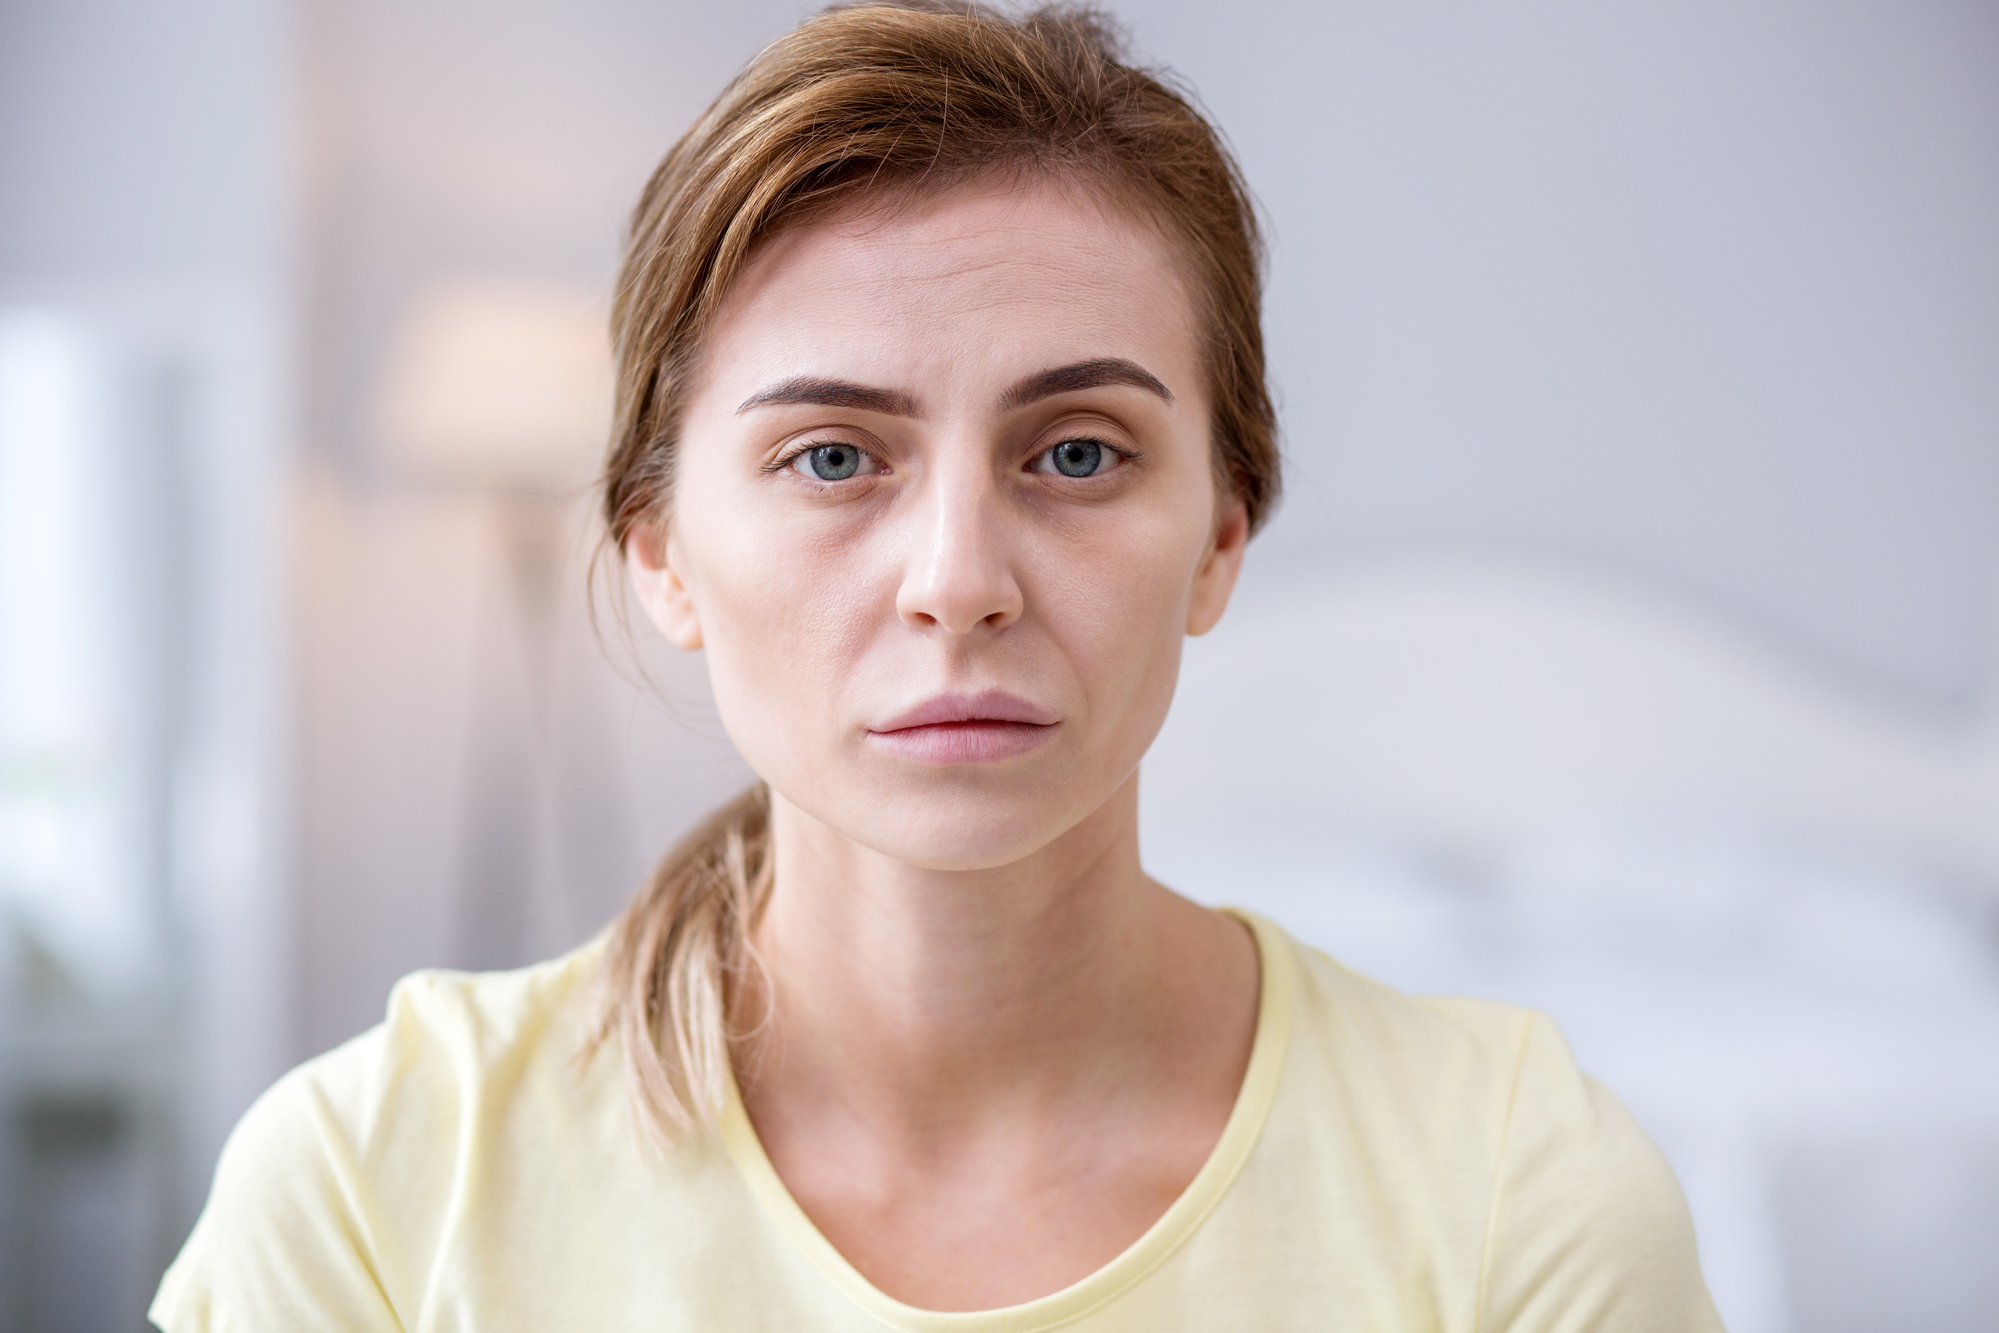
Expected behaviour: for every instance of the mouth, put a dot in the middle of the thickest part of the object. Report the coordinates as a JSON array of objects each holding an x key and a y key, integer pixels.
[{"x": 966, "y": 728}]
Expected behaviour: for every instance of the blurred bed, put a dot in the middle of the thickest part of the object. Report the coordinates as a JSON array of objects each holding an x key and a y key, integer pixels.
[{"x": 1761, "y": 898}]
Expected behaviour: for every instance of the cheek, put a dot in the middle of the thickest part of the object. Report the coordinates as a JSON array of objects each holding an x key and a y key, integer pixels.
[
  {"x": 1117, "y": 598},
  {"x": 785, "y": 617}
]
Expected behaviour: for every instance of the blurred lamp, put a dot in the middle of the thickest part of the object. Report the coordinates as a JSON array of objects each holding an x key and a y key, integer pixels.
[
  {"x": 500, "y": 385},
  {"x": 504, "y": 387}
]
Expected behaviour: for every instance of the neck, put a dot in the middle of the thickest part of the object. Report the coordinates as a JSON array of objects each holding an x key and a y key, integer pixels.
[{"x": 929, "y": 999}]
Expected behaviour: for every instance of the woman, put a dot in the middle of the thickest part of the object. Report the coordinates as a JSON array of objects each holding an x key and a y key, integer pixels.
[{"x": 942, "y": 420}]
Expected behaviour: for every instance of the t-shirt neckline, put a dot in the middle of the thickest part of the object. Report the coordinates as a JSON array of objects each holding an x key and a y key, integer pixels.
[{"x": 1175, "y": 1225}]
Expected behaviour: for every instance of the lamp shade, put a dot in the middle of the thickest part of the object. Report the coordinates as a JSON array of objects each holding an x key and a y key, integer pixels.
[{"x": 499, "y": 384}]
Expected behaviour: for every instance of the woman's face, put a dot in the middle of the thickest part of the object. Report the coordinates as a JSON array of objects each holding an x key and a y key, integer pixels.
[{"x": 944, "y": 508}]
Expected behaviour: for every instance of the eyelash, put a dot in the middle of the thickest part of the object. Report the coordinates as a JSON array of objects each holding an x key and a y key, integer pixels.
[
  {"x": 784, "y": 461},
  {"x": 1128, "y": 455}
]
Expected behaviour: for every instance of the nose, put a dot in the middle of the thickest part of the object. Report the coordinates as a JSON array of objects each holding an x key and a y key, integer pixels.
[{"x": 959, "y": 577}]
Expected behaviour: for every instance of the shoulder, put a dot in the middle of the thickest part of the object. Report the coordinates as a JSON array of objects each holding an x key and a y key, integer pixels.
[
  {"x": 332, "y": 1192},
  {"x": 1419, "y": 1089},
  {"x": 449, "y": 1042},
  {"x": 1495, "y": 1146},
  {"x": 487, "y": 1017},
  {"x": 1410, "y": 1049},
  {"x": 1588, "y": 1225}
]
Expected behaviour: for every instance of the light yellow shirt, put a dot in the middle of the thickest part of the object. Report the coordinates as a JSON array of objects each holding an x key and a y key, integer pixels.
[{"x": 1391, "y": 1164}]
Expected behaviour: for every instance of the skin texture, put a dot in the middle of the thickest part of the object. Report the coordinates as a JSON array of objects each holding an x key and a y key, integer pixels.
[{"x": 997, "y": 1050}]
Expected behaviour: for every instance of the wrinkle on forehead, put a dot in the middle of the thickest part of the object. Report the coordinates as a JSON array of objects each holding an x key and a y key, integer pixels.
[
  {"x": 933, "y": 219},
  {"x": 1065, "y": 258}
]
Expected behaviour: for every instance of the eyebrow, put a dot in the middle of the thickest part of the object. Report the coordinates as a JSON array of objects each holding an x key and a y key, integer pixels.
[
  {"x": 812, "y": 390},
  {"x": 1082, "y": 375}
]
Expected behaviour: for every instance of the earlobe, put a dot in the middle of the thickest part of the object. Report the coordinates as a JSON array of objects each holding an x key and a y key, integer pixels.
[
  {"x": 649, "y": 556},
  {"x": 1215, "y": 579}
]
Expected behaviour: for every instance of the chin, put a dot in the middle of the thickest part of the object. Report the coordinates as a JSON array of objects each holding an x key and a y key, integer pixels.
[{"x": 977, "y": 826}]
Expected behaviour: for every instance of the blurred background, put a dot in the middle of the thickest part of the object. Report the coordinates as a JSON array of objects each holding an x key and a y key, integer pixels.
[{"x": 1628, "y": 643}]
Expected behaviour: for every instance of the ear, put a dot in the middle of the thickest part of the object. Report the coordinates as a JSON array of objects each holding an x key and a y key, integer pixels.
[
  {"x": 650, "y": 557},
  {"x": 1215, "y": 579}
]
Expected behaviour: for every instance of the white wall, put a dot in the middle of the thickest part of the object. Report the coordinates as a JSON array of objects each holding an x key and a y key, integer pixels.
[
  {"x": 146, "y": 155},
  {"x": 145, "y": 159},
  {"x": 1705, "y": 291}
]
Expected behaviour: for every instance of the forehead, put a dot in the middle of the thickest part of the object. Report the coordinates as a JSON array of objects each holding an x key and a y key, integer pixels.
[{"x": 982, "y": 278}]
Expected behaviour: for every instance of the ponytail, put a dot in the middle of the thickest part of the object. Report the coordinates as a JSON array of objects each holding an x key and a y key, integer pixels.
[{"x": 675, "y": 965}]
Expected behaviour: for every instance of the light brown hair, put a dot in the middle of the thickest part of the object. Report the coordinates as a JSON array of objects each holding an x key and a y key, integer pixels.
[{"x": 874, "y": 102}]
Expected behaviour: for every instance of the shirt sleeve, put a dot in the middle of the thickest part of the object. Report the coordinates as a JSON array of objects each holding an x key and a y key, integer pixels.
[
  {"x": 289, "y": 1237},
  {"x": 1589, "y": 1229}
]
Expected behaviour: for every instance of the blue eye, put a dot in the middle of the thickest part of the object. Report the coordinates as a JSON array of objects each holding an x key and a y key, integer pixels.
[
  {"x": 1079, "y": 458},
  {"x": 829, "y": 462}
]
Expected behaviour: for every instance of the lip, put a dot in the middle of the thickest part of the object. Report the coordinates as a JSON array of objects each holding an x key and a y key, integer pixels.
[
  {"x": 966, "y": 728},
  {"x": 985, "y": 706}
]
